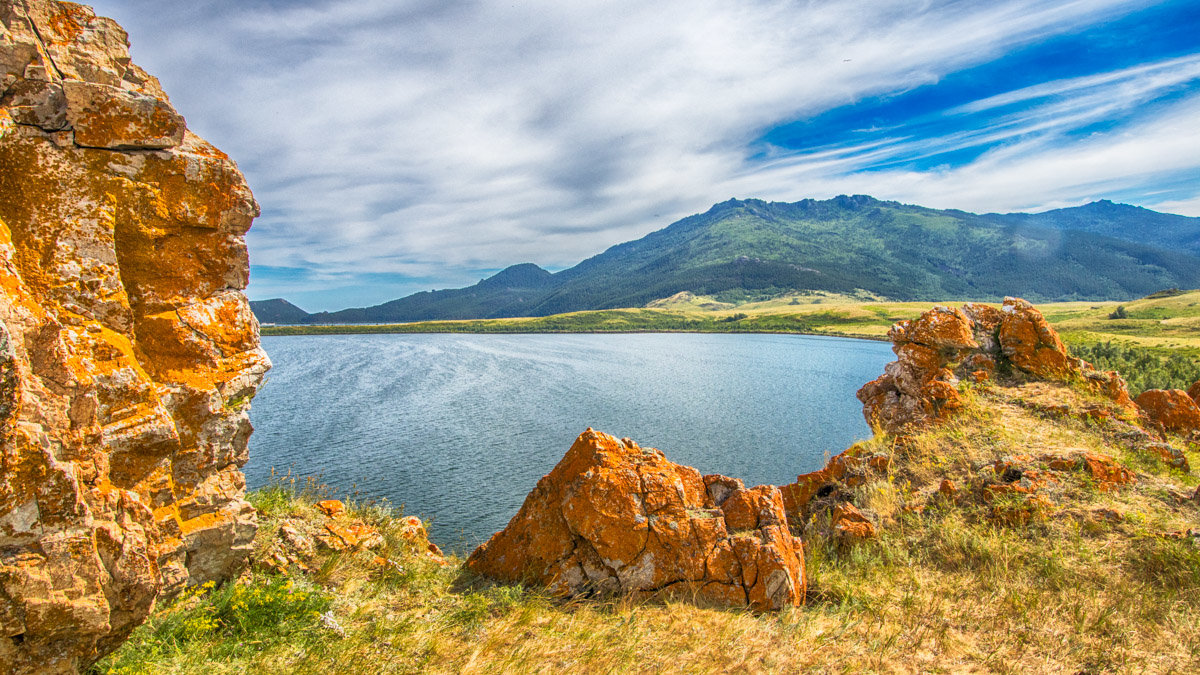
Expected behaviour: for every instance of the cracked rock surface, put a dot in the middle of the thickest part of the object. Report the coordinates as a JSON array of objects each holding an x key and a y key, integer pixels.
[
  {"x": 128, "y": 353},
  {"x": 615, "y": 518}
]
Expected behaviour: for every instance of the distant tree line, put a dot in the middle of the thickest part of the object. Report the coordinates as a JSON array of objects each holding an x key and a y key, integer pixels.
[{"x": 1143, "y": 368}]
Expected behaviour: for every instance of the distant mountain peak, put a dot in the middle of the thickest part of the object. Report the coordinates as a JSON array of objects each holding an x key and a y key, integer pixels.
[
  {"x": 278, "y": 310},
  {"x": 522, "y": 275}
]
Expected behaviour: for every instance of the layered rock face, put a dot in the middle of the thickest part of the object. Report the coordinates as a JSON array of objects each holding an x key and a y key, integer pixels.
[
  {"x": 941, "y": 347},
  {"x": 128, "y": 353},
  {"x": 616, "y": 518}
]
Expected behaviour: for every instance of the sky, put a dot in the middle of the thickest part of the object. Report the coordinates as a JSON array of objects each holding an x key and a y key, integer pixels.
[{"x": 405, "y": 145}]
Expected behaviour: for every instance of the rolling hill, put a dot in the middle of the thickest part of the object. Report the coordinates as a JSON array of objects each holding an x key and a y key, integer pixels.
[{"x": 751, "y": 249}]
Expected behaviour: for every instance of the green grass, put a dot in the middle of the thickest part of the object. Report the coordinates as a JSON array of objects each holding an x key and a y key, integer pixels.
[{"x": 232, "y": 623}]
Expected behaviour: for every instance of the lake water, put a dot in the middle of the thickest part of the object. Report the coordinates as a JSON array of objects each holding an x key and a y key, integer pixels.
[{"x": 459, "y": 428}]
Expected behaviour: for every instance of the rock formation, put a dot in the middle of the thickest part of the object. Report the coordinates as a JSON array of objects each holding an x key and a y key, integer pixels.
[
  {"x": 129, "y": 353},
  {"x": 847, "y": 469},
  {"x": 943, "y": 346},
  {"x": 1194, "y": 392},
  {"x": 616, "y": 518}
]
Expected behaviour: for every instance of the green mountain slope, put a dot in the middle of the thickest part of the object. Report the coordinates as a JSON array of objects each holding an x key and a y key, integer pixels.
[
  {"x": 1120, "y": 221},
  {"x": 743, "y": 249},
  {"x": 846, "y": 243}
]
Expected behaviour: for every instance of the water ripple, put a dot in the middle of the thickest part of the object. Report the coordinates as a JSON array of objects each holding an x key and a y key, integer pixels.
[{"x": 458, "y": 428}]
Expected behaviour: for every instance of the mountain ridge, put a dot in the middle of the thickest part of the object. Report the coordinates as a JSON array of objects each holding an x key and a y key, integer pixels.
[{"x": 748, "y": 248}]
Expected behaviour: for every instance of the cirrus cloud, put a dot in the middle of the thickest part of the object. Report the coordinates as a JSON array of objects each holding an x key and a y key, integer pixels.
[{"x": 396, "y": 146}]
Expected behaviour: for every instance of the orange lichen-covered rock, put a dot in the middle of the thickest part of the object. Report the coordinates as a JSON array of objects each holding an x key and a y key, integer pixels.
[
  {"x": 331, "y": 507},
  {"x": 918, "y": 387},
  {"x": 942, "y": 346},
  {"x": 616, "y": 518},
  {"x": 118, "y": 119},
  {"x": 1171, "y": 409},
  {"x": 939, "y": 328},
  {"x": 1028, "y": 341},
  {"x": 129, "y": 353},
  {"x": 1108, "y": 474},
  {"x": 947, "y": 489},
  {"x": 850, "y": 524},
  {"x": 848, "y": 469},
  {"x": 1194, "y": 392}
]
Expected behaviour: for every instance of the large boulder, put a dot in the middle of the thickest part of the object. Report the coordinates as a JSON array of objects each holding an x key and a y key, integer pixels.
[
  {"x": 128, "y": 354},
  {"x": 1171, "y": 409},
  {"x": 615, "y": 518},
  {"x": 1194, "y": 392}
]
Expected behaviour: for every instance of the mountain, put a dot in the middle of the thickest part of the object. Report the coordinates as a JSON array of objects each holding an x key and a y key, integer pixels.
[
  {"x": 1120, "y": 221},
  {"x": 513, "y": 291},
  {"x": 742, "y": 249},
  {"x": 278, "y": 310}
]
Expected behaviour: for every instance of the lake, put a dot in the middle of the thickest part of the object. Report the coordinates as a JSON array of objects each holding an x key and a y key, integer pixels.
[{"x": 459, "y": 428}]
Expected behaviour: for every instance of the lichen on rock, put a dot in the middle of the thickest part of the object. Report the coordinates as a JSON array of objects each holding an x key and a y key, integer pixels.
[
  {"x": 945, "y": 346},
  {"x": 615, "y": 518},
  {"x": 1170, "y": 409},
  {"x": 127, "y": 350}
]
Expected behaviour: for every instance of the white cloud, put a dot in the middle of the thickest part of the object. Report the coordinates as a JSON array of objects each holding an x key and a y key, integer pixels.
[
  {"x": 415, "y": 136},
  {"x": 1037, "y": 171}
]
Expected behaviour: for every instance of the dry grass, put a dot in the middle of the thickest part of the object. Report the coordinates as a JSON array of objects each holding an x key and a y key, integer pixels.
[{"x": 943, "y": 590}]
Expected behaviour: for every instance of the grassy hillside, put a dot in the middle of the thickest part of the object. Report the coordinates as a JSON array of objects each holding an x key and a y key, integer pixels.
[{"x": 1091, "y": 581}]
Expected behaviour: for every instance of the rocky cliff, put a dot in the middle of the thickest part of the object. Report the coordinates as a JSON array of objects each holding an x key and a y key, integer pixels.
[{"x": 128, "y": 351}]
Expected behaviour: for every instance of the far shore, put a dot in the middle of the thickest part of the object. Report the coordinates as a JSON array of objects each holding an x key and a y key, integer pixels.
[{"x": 1170, "y": 323}]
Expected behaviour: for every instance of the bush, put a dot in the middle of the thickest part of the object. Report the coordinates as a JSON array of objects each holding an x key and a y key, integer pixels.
[
  {"x": 1142, "y": 368},
  {"x": 1119, "y": 313}
]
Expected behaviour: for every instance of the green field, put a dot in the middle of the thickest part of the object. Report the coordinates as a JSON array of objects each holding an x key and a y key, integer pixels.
[{"x": 1152, "y": 322}]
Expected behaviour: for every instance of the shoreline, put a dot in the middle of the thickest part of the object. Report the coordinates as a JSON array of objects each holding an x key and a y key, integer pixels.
[{"x": 362, "y": 329}]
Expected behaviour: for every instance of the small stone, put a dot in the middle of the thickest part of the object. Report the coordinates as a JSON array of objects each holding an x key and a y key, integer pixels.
[
  {"x": 331, "y": 507},
  {"x": 1105, "y": 515},
  {"x": 850, "y": 524},
  {"x": 1170, "y": 409},
  {"x": 948, "y": 489}
]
